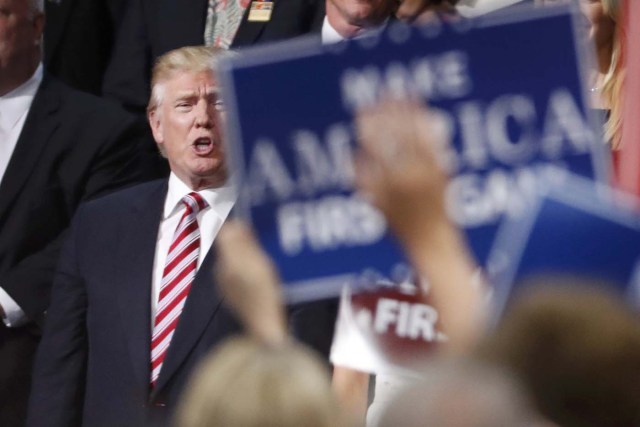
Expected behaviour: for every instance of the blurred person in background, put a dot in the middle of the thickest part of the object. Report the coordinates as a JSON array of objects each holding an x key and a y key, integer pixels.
[
  {"x": 347, "y": 19},
  {"x": 421, "y": 11},
  {"x": 577, "y": 350},
  {"x": 58, "y": 148},
  {"x": 461, "y": 392},
  {"x": 247, "y": 383}
]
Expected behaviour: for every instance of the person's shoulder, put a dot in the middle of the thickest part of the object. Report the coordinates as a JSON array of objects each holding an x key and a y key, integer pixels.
[
  {"x": 82, "y": 105},
  {"x": 121, "y": 199}
]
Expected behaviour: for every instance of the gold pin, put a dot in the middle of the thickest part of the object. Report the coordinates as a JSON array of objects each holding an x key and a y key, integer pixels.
[{"x": 260, "y": 11}]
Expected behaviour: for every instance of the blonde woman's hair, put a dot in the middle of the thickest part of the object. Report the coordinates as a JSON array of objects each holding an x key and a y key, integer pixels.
[
  {"x": 245, "y": 383},
  {"x": 614, "y": 78},
  {"x": 190, "y": 59}
]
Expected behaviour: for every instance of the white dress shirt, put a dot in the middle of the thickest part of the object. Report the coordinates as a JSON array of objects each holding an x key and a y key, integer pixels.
[
  {"x": 14, "y": 107},
  {"x": 330, "y": 35},
  {"x": 210, "y": 219}
]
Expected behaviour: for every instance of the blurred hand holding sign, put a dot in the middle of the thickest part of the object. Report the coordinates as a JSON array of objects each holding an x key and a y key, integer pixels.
[{"x": 509, "y": 87}]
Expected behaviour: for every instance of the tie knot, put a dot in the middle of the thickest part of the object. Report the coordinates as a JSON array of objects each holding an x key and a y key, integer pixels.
[{"x": 194, "y": 202}]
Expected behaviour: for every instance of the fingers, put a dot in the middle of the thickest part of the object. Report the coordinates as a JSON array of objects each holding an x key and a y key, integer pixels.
[
  {"x": 397, "y": 166},
  {"x": 423, "y": 10},
  {"x": 409, "y": 10},
  {"x": 398, "y": 133}
]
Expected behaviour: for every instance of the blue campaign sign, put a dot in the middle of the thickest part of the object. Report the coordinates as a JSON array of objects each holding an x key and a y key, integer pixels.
[
  {"x": 510, "y": 88},
  {"x": 576, "y": 229}
]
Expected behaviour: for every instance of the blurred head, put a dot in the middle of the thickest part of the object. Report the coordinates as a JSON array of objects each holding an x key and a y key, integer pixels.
[
  {"x": 358, "y": 13},
  {"x": 21, "y": 26},
  {"x": 577, "y": 350},
  {"x": 247, "y": 384},
  {"x": 186, "y": 115},
  {"x": 461, "y": 393}
]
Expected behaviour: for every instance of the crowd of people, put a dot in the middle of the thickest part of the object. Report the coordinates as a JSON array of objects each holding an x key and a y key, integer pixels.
[{"x": 128, "y": 296}]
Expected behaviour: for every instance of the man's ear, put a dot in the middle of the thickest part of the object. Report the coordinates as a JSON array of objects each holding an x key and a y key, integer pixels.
[
  {"x": 156, "y": 129},
  {"x": 38, "y": 23},
  {"x": 156, "y": 125}
]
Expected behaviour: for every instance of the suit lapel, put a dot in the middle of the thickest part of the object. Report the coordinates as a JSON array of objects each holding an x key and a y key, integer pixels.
[
  {"x": 36, "y": 132},
  {"x": 134, "y": 260},
  {"x": 248, "y": 32},
  {"x": 201, "y": 305}
]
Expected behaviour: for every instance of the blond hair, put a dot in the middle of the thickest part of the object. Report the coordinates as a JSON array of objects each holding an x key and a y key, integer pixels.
[
  {"x": 614, "y": 78},
  {"x": 189, "y": 59},
  {"x": 245, "y": 383}
]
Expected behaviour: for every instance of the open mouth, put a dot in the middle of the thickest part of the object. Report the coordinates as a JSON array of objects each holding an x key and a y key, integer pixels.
[{"x": 203, "y": 145}]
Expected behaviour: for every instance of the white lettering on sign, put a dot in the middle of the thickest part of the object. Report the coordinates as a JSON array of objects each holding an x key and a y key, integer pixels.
[
  {"x": 475, "y": 200},
  {"x": 511, "y": 131},
  {"x": 267, "y": 174},
  {"x": 323, "y": 167},
  {"x": 318, "y": 165},
  {"x": 409, "y": 320},
  {"x": 507, "y": 130},
  {"x": 564, "y": 123},
  {"x": 444, "y": 76},
  {"x": 328, "y": 223}
]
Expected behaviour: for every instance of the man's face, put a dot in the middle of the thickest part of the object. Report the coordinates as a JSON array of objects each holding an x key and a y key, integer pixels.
[
  {"x": 362, "y": 12},
  {"x": 20, "y": 31},
  {"x": 188, "y": 128}
]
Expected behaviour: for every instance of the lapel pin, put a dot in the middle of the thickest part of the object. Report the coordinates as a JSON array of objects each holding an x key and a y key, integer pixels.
[{"x": 260, "y": 11}]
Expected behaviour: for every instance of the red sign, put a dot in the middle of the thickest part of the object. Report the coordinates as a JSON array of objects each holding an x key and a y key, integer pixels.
[{"x": 629, "y": 156}]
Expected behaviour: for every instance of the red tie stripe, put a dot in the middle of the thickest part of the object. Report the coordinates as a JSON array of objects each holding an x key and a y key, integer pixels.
[{"x": 180, "y": 269}]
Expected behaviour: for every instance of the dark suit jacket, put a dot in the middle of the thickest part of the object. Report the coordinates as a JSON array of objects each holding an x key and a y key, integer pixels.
[
  {"x": 154, "y": 27},
  {"x": 79, "y": 36},
  {"x": 73, "y": 147},
  {"x": 99, "y": 324}
]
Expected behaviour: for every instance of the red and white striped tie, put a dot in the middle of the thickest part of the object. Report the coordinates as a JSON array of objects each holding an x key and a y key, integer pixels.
[{"x": 180, "y": 269}]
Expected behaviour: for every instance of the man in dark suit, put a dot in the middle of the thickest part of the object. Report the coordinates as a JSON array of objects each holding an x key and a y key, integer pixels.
[
  {"x": 154, "y": 27},
  {"x": 134, "y": 306},
  {"x": 58, "y": 147}
]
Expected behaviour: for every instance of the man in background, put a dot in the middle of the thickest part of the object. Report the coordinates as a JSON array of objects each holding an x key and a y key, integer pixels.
[
  {"x": 154, "y": 27},
  {"x": 58, "y": 147}
]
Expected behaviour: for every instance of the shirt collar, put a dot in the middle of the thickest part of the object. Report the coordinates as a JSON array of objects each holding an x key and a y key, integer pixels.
[
  {"x": 16, "y": 103},
  {"x": 330, "y": 35},
  {"x": 220, "y": 199}
]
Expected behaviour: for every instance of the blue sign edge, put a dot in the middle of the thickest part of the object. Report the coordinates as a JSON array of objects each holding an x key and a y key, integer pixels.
[{"x": 569, "y": 189}]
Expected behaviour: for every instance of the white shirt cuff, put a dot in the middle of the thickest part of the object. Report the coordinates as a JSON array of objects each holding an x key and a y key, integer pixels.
[{"x": 13, "y": 314}]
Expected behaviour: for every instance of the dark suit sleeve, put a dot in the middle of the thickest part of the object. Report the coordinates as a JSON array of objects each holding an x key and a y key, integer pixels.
[
  {"x": 112, "y": 147},
  {"x": 313, "y": 324},
  {"x": 127, "y": 79},
  {"x": 60, "y": 369}
]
